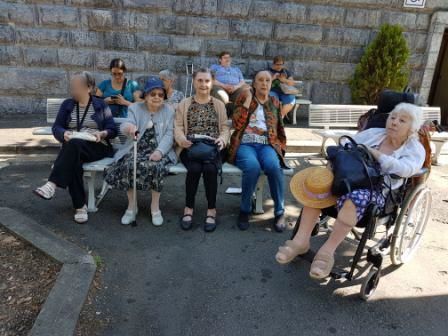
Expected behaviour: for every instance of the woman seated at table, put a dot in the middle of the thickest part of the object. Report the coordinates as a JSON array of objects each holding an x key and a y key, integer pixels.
[
  {"x": 84, "y": 126},
  {"x": 173, "y": 96},
  {"x": 119, "y": 92},
  {"x": 398, "y": 151},
  {"x": 259, "y": 143},
  {"x": 154, "y": 121},
  {"x": 201, "y": 116}
]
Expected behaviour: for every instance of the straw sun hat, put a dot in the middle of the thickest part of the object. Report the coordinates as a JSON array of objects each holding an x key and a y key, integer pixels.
[{"x": 312, "y": 187}]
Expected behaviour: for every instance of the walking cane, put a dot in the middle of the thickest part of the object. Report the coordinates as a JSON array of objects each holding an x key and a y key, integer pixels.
[{"x": 134, "y": 191}]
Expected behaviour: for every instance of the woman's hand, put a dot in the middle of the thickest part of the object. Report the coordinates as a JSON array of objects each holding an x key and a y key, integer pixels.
[
  {"x": 100, "y": 135},
  {"x": 67, "y": 135},
  {"x": 130, "y": 129},
  {"x": 156, "y": 156},
  {"x": 375, "y": 153},
  {"x": 220, "y": 143},
  {"x": 109, "y": 100},
  {"x": 185, "y": 143},
  {"x": 121, "y": 101}
]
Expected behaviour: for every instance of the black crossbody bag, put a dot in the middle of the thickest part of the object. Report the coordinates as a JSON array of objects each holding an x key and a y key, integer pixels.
[
  {"x": 354, "y": 167},
  {"x": 205, "y": 151}
]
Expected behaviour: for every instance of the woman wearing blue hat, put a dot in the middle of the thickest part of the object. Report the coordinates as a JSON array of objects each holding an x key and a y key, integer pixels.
[{"x": 154, "y": 121}]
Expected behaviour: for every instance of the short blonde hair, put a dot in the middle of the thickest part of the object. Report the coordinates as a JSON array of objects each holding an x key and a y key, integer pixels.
[{"x": 414, "y": 111}]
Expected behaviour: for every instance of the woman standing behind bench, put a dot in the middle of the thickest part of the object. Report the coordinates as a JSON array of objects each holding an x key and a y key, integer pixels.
[
  {"x": 119, "y": 92},
  {"x": 154, "y": 120},
  {"x": 90, "y": 115},
  {"x": 201, "y": 115},
  {"x": 259, "y": 143}
]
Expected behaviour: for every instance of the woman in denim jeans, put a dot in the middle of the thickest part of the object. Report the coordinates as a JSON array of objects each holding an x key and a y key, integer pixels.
[{"x": 258, "y": 143}]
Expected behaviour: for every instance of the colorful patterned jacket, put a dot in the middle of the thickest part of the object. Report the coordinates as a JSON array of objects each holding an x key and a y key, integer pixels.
[{"x": 274, "y": 123}]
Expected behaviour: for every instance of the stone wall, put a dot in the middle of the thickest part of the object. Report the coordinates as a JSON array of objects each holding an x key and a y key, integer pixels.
[{"x": 43, "y": 42}]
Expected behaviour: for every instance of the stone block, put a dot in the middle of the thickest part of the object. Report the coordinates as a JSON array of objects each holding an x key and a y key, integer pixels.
[
  {"x": 251, "y": 29},
  {"x": 119, "y": 41},
  {"x": 362, "y": 18},
  {"x": 86, "y": 39},
  {"x": 152, "y": 43},
  {"x": 346, "y": 36},
  {"x": 16, "y": 13},
  {"x": 326, "y": 93},
  {"x": 279, "y": 12},
  {"x": 149, "y": 5},
  {"x": 234, "y": 8},
  {"x": 94, "y": 3},
  {"x": 10, "y": 55},
  {"x": 422, "y": 22},
  {"x": 33, "y": 81},
  {"x": 99, "y": 19},
  {"x": 254, "y": 66},
  {"x": 51, "y": 37},
  {"x": 253, "y": 48},
  {"x": 341, "y": 72},
  {"x": 58, "y": 16},
  {"x": 133, "y": 61},
  {"x": 6, "y": 34},
  {"x": 157, "y": 63},
  {"x": 214, "y": 47},
  {"x": 193, "y": 7},
  {"x": 76, "y": 58},
  {"x": 317, "y": 71},
  {"x": 133, "y": 21},
  {"x": 405, "y": 20},
  {"x": 40, "y": 56},
  {"x": 298, "y": 33},
  {"x": 22, "y": 104},
  {"x": 208, "y": 27},
  {"x": 326, "y": 15},
  {"x": 175, "y": 25},
  {"x": 186, "y": 45}
]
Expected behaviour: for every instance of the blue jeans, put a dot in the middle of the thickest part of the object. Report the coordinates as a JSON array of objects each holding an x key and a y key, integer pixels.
[
  {"x": 284, "y": 98},
  {"x": 251, "y": 159}
]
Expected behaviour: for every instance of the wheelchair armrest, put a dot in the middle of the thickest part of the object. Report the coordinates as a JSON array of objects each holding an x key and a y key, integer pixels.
[{"x": 421, "y": 172}]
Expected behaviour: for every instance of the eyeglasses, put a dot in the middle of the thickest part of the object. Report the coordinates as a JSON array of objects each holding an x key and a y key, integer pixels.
[
  {"x": 117, "y": 74},
  {"x": 155, "y": 94},
  {"x": 279, "y": 64}
]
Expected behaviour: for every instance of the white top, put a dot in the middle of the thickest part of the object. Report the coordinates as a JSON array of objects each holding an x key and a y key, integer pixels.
[
  {"x": 405, "y": 161},
  {"x": 257, "y": 119}
]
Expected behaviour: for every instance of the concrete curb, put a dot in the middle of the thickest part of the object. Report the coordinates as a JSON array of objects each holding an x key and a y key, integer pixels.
[{"x": 60, "y": 312}]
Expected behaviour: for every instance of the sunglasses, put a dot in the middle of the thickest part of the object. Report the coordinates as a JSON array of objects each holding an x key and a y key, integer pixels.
[{"x": 155, "y": 94}]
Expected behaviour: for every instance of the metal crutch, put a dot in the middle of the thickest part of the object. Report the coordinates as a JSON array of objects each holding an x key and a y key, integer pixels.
[
  {"x": 189, "y": 67},
  {"x": 134, "y": 191}
]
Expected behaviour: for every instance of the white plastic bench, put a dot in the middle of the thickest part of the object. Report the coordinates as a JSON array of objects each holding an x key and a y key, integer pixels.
[
  {"x": 347, "y": 116},
  {"x": 94, "y": 170},
  {"x": 97, "y": 168}
]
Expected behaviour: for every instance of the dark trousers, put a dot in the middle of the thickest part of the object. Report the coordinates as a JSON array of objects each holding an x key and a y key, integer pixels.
[
  {"x": 67, "y": 169},
  {"x": 209, "y": 172}
]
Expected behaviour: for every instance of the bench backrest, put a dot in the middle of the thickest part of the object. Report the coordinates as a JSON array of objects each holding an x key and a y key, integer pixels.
[{"x": 348, "y": 115}]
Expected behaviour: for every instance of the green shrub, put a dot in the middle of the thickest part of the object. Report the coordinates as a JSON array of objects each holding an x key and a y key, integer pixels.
[{"x": 384, "y": 65}]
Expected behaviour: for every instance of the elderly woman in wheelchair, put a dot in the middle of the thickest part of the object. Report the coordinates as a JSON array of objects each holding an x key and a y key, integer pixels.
[{"x": 399, "y": 153}]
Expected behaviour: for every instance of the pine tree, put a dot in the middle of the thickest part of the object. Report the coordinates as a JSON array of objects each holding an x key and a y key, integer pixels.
[{"x": 384, "y": 65}]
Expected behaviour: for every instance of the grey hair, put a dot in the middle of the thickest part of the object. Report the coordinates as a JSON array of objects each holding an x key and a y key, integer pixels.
[
  {"x": 414, "y": 111},
  {"x": 167, "y": 74},
  {"x": 88, "y": 78}
]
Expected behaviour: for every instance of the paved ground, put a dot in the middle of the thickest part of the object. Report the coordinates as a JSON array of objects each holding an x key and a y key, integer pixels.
[{"x": 163, "y": 281}]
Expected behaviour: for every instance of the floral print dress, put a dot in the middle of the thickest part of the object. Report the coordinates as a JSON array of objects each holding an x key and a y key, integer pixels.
[{"x": 150, "y": 174}]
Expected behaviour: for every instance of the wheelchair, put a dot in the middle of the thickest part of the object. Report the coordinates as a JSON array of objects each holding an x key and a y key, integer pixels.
[{"x": 404, "y": 217}]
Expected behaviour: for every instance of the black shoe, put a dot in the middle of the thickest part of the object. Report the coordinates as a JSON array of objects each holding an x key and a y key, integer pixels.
[
  {"x": 210, "y": 227},
  {"x": 279, "y": 227},
  {"x": 243, "y": 221},
  {"x": 186, "y": 224}
]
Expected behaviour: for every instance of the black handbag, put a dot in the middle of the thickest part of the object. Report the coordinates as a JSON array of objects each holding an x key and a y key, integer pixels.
[
  {"x": 205, "y": 151},
  {"x": 354, "y": 167}
]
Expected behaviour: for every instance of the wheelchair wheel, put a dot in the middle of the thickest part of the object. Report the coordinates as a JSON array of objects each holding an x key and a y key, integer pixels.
[
  {"x": 370, "y": 283},
  {"x": 410, "y": 224}
]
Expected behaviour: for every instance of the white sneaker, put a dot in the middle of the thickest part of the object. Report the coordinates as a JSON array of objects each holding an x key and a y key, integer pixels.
[
  {"x": 81, "y": 215},
  {"x": 157, "y": 218},
  {"x": 128, "y": 217}
]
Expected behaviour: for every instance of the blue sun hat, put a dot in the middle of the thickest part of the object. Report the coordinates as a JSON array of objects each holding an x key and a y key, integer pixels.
[{"x": 152, "y": 83}]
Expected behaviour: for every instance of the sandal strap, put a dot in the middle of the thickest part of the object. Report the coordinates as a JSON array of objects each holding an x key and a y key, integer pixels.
[{"x": 46, "y": 190}]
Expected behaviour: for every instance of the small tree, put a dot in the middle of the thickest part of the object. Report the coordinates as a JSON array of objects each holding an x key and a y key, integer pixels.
[{"x": 384, "y": 65}]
